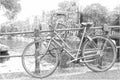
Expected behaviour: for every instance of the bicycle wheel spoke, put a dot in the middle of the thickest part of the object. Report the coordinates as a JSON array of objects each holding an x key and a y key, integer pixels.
[
  {"x": 104, "y": 45},
  {"x": 93, "y": 43},
  {"x": 99, "y": 43}
]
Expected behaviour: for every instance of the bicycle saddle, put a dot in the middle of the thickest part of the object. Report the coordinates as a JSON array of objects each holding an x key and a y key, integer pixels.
[{"x": 87, "y": 24}]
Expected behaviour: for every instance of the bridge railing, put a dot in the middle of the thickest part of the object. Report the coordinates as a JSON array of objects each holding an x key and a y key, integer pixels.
[{"x": 117, "y": 36}]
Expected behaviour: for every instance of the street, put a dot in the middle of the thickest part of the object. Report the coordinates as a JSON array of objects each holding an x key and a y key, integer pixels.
[{"x": 82, "y": 73}]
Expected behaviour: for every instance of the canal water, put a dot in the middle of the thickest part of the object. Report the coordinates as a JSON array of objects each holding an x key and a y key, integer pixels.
[{"x": 17, "y": 45}]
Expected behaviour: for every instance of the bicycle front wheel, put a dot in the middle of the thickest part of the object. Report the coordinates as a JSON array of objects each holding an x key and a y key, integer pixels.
[
  {"x": 99, "y": 53},
  {"x": 38, "y": 62}
]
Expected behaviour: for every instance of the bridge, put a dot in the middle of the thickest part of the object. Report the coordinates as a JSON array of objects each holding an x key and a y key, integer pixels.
[{"x": 112, "y": 33}]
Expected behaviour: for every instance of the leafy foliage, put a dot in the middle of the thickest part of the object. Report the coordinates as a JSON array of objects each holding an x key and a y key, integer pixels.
[
  {"x": 69, "y": 17},
  {"x": 12, "y": 8},
  {"x": 68, "y": 6},
  {"x": 96, "y": 13},
  {"x": 116, "y": 16},
  {"x": 8, "y": 28}
]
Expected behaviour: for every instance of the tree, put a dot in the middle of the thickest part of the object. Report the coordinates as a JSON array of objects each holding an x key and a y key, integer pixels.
[
  {"x": 116, "y": 16},
  {"x": 96, "y": 13},
  {"x": 68, "y": 6},
  {"x": 12, "y": 8}
]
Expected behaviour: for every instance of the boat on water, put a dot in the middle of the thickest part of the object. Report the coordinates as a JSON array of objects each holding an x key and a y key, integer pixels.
[{"x": 4, "y": 52}]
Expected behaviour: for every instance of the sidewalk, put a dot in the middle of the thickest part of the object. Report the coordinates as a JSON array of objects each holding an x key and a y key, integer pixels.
[{"x": 13, "y": 69}]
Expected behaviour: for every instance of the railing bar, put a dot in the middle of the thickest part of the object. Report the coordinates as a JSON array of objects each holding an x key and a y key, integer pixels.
[
  {"x": 13, "y": 56},
  {"x": 117, "y": 46},
  {"x": 10, "y": 33},
  {"x": 70, "y": 29}
]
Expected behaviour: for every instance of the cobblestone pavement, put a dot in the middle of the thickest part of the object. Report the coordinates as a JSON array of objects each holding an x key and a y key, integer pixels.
[{"x": 82, "y": 73}]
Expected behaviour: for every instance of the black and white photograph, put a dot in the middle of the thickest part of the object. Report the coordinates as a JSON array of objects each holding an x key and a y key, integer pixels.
[{"x": 59, "y": 39}]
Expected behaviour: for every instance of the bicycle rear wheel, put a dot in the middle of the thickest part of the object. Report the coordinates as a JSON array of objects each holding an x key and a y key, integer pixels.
[
  {"x": 100, "y": 53},
  {"x": 39, "y": 65}
]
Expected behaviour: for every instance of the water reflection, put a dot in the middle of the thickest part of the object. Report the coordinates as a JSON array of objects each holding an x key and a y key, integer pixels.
[{"x": 15, "y": 45}]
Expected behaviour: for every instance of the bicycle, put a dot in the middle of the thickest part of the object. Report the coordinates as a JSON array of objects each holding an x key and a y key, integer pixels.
[{"x": 97, "y": 52}]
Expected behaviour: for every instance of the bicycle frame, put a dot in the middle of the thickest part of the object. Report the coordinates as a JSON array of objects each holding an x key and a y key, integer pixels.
[
  {"x": 55, "y": 32},
  {"x": 95, "y": 61}
]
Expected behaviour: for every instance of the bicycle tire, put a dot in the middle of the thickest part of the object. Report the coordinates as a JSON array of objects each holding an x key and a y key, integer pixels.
[
  {"x": 45, "y": 56},
  {"x": 95, "y": 67}
]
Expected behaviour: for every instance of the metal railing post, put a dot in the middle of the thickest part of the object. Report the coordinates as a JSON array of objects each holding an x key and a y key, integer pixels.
[{"x": 37, "y": 49}]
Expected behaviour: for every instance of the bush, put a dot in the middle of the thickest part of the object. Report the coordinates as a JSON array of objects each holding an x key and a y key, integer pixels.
[{"x": 63, "y": 60}]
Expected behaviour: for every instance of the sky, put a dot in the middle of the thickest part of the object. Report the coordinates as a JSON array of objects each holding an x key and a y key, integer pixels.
[{"x": 35, "y": 7}]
